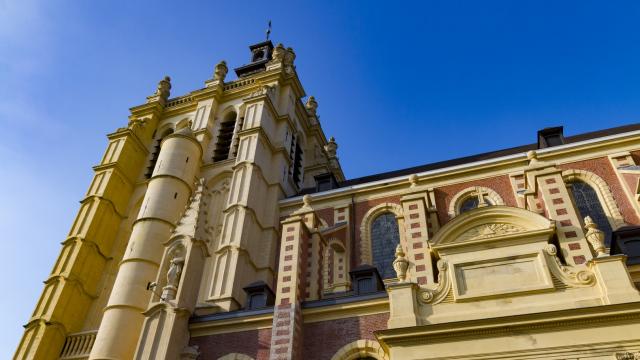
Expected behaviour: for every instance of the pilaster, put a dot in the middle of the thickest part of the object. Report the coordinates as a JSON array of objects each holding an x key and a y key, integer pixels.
[
  {"x": 286, "y": 337},
  {"x": 628, "y": 174},
  {"x": 417, "y": 235},
  {"x": 545, "y": 181}
]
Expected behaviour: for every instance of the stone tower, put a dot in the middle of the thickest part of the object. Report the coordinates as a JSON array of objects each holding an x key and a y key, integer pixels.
[{"x": 182, "y": 213}]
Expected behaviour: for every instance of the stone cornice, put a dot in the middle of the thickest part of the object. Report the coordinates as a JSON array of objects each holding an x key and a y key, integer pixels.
[
  {"x": 491, "y": 327},
  {"x": 505, "y": 165}
]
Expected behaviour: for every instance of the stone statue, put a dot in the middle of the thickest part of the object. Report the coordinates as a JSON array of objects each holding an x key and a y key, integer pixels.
[
  {"x": 173, "y": 278},
  {"x": 175, "y": 270},
  {"x": 311, "y": 105},
  {"x": 595, "y": 237},
  {"x": 331, "y": 147},
  {"x": 400, "y": 264},
  {"x": 164, "y": 87},
  {"x": 220, "y": 71},
  {"x": 278, "y": 53},
  {"x": 289, "y": 57}
]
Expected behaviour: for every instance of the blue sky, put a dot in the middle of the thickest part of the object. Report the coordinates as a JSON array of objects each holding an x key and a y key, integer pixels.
[{"x": 399, "y": 84}]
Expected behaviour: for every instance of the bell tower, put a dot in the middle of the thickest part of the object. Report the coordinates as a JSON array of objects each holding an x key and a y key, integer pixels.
[{"x": 183, "y": 213}]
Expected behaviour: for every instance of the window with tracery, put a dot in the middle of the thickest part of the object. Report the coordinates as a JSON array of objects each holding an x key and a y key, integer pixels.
[
  {"x": 588, "y": 204},
  {"x": 385, "y": 237}
]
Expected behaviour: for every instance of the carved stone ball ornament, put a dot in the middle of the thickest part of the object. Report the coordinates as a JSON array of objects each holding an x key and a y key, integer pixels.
[
  {"x": 400, "y": 264},
  {"x": 595, "y": 237},
  {"x": 220, "y": 71}
]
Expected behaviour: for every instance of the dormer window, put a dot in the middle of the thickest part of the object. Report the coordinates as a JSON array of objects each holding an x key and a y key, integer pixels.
[{"x": 550, "y": 137}]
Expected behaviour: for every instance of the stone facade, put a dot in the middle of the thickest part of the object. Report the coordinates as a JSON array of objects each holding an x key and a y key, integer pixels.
[{"x": 235, "y": 187}]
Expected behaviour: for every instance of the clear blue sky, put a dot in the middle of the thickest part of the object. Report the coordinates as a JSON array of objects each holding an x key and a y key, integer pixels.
[{"x": 398, "y": 83}]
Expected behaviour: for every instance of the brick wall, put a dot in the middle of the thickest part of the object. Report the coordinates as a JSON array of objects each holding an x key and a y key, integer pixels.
[
  {"x": 500, "y": 184},
  {"x": 603, "y": 168},
  {"x": 323, "y": 339},
  {"x": 360, "y": 210},
  {"x": 254, "y": 343}
]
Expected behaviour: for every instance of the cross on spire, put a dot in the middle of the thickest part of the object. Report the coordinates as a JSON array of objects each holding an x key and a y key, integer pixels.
[{"x": 269, "y": 30}]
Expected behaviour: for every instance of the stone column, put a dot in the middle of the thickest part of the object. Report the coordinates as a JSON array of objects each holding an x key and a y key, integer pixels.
[{"x": 167, "y": 194}]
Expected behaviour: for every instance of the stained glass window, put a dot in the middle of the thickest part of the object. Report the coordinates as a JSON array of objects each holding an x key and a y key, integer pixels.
[
  {"x": 384, "y": 240},
  {"x": 469, "y": 204},
  {"x": 473, "y": 202},
  {"x": 588, "y": 204}
]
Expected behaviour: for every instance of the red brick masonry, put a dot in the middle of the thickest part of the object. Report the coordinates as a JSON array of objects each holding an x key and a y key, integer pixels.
[{"x": 321, "y": 339}]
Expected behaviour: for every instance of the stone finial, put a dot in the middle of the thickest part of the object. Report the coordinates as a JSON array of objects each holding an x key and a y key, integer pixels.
[
  {"x": 306, "y": 200},
  {"x": 400, "y": 264},
  {"x": 595, "y": 237},
  {"x": 220, "y": 71},
  {"x": 413, "y": 180},
  {"x": 311, "y": 105},
  {"x": 331, "y": 148},
  {"x": 278, "y": 53},
  {"x": 532, "y": 156}
]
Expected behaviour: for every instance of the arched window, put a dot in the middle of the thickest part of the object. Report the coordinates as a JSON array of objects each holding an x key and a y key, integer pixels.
[
  {"x": 473, "y": 202},
  {"x": 588, "y": 204},
  {"x": 471, "y": 198},
  {"x": 385, "y": 237},
  {"x": 225, "y": 136},
  {"x": 156, "y": 152}
]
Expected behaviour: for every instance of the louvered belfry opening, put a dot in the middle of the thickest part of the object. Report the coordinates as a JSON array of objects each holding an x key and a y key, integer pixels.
[
  {"x": 225, "y": 136},
  {"x": 297, "y": 165},
  {"x": 155, "y": 153}
]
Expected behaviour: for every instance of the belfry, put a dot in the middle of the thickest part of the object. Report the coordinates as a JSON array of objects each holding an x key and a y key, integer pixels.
[{"x": 219, "y": 225}]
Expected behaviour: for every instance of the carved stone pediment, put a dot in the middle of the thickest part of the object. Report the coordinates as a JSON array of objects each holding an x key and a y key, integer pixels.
[
  {"x": 489, "y": 230},
  {"x": 488, "y": 223}
]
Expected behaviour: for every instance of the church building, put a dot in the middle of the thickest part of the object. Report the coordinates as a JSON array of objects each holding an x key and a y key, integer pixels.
[{"x": 219, "y": 225}]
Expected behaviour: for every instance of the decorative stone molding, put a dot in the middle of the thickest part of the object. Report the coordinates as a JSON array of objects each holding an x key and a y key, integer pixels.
[
  {"x": 628, "y": 356},
  {"x": 461, "y": 196},
  {"x": 490, "y": 222},
  {"x": 603, "y": 191},
  {"x": 365, "y": 227},
  {"x": 439, "y": 293},
  {"x": 359, "y": 349},
  {"x": 580, "y": 278},
  {"x": 235, "y": 356},
  {"x": 490, "y": 230}
]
